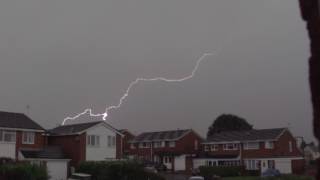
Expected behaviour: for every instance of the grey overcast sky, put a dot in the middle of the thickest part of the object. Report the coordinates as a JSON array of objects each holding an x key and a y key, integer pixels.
[{"x": 63, "y": 56}]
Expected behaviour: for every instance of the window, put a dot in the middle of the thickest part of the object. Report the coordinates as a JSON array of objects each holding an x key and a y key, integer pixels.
[
  {"x": 214, "y": 147},
  {"x": 269, "y": 145},
  {"x": 28, "y": 137},
  {"x": 7, "y": 136},
  {"x": 252, "y": 164},
  {"x": 167, "y": 159},
  {"x": 290, "y": 146},
  {"x": 230, "y": 146},
  {"x": 111, "y": 141},
  {"x": 251, "y": 145},
  {"x": 195, "y": 145},
  {"x": 206, "y": 148},
  {"x": 93, "y": 140},
  {"x": 144, "y": 145},
  {"x": 157, "y": 144},
  {"x": 211, "y": 163},
  {"x": 172, "y": 144}
]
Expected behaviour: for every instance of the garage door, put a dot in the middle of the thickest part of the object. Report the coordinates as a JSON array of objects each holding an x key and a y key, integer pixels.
[
  {"x": 284, "y": 166},
  {"x": 57, "y": 170},
  {"x": 180, "y": 163}
]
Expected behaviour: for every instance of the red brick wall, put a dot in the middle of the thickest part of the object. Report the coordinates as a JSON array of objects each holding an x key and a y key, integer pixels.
[
  {"x": 39, "y": 142},
  {"x": 119, "y": 146},
  {"x": 74, "y": 146},
  {"x": 127, "y": 137},
  {"x": 298, "y": 166}
]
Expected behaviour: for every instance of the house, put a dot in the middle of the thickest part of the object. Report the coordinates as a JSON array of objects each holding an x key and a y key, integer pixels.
[
  {"x": 257, "y": 150},
  {"x": 93, "y": 141},
  {"x": 174, "y": 149},
  {"x": 22, "y": 139},
  {"x": 18, "y": 131}
]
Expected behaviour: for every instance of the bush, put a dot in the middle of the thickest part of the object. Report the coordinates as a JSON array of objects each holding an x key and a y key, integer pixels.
[
  {"x": 23, "y": 171},
  {"x": 222, "y": 171},
  {"x": 119, "y": 170}
]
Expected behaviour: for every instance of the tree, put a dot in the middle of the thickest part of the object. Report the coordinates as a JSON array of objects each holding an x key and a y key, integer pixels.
[{"x": 228, "y": 122}]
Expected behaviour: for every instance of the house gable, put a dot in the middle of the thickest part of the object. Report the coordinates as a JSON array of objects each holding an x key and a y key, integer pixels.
[{"x": 104, "y": 144}]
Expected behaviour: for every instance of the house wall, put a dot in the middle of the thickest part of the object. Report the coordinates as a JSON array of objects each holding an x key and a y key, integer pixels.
[
  {"x": 102, "y": 152},
  {"x": 123, "y": 145},
  {"x": 298, "y": 166},
  {"x": 73, "y": 146},
  {"x": 39, "y": 142}
]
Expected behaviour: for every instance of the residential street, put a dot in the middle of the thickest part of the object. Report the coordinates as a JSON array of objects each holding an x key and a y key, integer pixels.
[{"x": 175, "y": 176}]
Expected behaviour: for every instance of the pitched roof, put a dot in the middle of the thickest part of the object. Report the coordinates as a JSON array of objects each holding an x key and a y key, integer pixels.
[
  {"x": 161, "y": 136},
  {"x": 17, "y": 121},
  {"x": 46, "y": 153},
  {"x": 72, "y": 128},
  {"x": 251, "y": 135}
]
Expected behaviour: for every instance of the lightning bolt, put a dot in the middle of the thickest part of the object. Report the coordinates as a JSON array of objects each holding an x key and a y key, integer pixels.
[{"x": 131, "y": 85}]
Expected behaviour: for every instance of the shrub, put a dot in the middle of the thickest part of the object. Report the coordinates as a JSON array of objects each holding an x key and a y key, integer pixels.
[
  {"x": 23, "y": 171},
  {"x": 222, "y": 171},
  {"x": 120, "y": 170}
]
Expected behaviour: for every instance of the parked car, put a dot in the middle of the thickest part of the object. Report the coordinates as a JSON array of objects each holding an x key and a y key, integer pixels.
[
  {"x": 161, "y": 167},
  {"x": 152, "y": 165},
  {"x": 196, "y": 178},
  {"x": 80, "y": 176},
  {"x": 150, "y": 168},
  {"x": 271, "y": 173}
]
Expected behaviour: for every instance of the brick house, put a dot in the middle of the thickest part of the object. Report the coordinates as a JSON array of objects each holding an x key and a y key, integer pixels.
[
  {"x": 174, "y": 149},
  {"x": 22, "y": 139},
  {"x": 18, "y": 131},
  {"x": 93, "y": 141},
  {"x": 257, "y": 150}
]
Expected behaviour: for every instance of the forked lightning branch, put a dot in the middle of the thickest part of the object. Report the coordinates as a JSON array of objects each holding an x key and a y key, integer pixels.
[{"x": 105, "y": 114}]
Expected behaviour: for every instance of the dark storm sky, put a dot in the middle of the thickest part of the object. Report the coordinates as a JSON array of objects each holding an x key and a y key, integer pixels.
[{"x": 63, "y": 56}]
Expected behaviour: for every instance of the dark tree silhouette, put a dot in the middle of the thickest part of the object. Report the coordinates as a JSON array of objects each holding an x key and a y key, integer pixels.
[
  {"x": 310, "y": 10},
  {"x": 228, "y": 122}
]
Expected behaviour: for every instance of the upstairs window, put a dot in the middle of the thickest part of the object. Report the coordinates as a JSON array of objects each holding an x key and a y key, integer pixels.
[
  {"x": 93, "y": 140},
  {"x": 251, "y": 145},
  {"x": 172, "y": 144},
  {"x": 157, "y": 144},
  {"x": 290, "y": 146},
  {"x": 28, "y": 137},
  {"x": 196, "y": 145},
  {"x": 206, "y": 148},
  {"x": 269, "y": 145},
  {"x": 230, "y": 146},
  {"x": 7, "y": 136},
  {"x": 214, "y": 147}
]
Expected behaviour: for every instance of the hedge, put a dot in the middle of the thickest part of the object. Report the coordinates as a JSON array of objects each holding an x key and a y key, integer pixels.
[
  {"x": 222, "y": 171},
  {"x": 23, "y": 171},
  {"x": 119, "y": 170}
]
